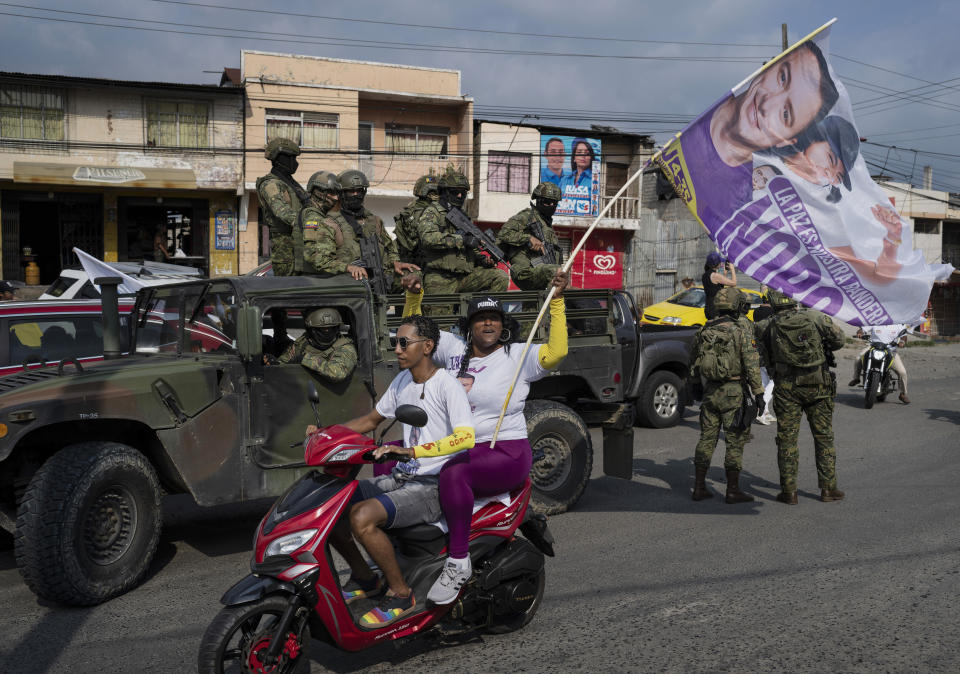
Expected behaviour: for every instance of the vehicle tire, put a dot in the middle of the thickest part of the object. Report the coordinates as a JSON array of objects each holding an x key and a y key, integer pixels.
[
  {"x": 88, "y": 523},
  {"x": 562, "y": 455},
  {"x": 506, "y": 624},
  {"x": 885, "y": 387},
  {"x": 870, "y": 395},
  {"x": 238, "y": 634},
  {"x": 660, "y": 404}
]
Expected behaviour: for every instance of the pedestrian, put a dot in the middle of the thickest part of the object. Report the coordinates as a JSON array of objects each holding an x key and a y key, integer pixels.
[
  {"x": 528, "y": 239},
  {"x": 713, "y": 279},
  {"x": 281, "y": 198},
  {"x": 725, "y": 356},
  {"x": 800, "y": 343}
]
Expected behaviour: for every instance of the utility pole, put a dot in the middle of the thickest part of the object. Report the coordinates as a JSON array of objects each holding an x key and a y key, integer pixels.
[{"x": 783, "y": 36}]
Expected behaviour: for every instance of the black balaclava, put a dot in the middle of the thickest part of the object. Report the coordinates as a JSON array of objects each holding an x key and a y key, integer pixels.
[{"x": 546, "y": 208}]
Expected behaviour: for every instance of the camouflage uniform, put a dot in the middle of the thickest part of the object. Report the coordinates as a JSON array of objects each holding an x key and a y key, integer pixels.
[
  {"x": 335, "y": 363},
  {"x": 527, "y": 268},
  {"x": 802, "y": 390},
  {"x": 280, "y": 205},
  {"x": 448, "y": 266},
  {"x": 425, "y": 191},
  {"x": 348, "y": 252}
]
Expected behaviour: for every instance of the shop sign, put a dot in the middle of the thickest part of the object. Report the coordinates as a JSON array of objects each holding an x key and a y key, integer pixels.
[
  {"x": 108, "y": 174},
  {"x": 225, "y": 230}
]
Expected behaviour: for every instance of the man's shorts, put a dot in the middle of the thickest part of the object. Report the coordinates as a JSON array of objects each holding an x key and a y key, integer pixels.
[{"x": 407, "y": 501}]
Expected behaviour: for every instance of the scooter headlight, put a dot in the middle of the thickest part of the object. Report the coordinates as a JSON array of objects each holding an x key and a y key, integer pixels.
[{"x": 290, "y": 543}]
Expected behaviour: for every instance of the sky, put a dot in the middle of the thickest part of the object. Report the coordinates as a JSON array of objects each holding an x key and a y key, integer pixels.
[{"x": 672, "y": 60}]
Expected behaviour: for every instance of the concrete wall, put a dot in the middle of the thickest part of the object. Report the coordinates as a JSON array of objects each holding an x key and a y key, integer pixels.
[{"x": 499, "y": 206}]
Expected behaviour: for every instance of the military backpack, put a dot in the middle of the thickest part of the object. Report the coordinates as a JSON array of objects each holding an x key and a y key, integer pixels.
[
  {"x": 405, "y": 231},
  {"x": 795, "y": 340},
  {"x": 718, "y": 358}
]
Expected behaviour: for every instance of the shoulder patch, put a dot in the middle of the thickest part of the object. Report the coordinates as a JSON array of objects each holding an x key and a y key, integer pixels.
[{"x": 311, "y": 224}]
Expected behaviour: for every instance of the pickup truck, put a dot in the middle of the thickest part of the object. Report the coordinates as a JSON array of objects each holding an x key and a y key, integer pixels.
[{"x": 87, "y": 450}]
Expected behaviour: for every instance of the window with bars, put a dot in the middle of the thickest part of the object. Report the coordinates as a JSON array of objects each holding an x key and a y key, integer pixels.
[
  {"x": 177, "y": 124},
  {"x": 34, "y": 113},
  {"x": 307, "y": 129},
  {"x": 508, "y": 172},
  {"x": 423, "y": 140}
]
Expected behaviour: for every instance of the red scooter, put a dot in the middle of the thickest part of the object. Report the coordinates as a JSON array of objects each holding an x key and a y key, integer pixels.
[{"x": 294, "y": 591}]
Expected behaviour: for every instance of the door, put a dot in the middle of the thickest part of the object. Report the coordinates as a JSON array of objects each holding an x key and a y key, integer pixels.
[{"x": 365, "y": 149}]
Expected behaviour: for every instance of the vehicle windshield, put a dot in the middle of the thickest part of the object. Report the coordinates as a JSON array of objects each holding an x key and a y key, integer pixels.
[
  {"x": 693, "y": 297},
  {"x": 208, "y": 312}
]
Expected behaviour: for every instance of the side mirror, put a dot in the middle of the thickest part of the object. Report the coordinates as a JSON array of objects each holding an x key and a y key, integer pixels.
[
  {"x": 412, "y": 415},
  {"x": 314, "y": 396}
]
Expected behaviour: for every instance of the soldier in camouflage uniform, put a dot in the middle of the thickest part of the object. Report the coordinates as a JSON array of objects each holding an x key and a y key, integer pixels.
[
  {"x": 519, "y": 239},
  {"x": 452, "y": 262},
  {"x": 726, "y": 357},
  {"x": 799, "y": 343},
  {"x": 322, "y": 348},
  {"x": 320, "y": 238},
  {"x": 281, "y": 199},
  {"x": 353, "y": 222},
  {"x": 426, "y": 191}
]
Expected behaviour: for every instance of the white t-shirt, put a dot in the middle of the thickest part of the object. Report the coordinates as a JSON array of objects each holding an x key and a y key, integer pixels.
[
  {"x": 491, "y": 377},
  {"x": 885, "y": 333},
  {"x": 443, "y": 399}
]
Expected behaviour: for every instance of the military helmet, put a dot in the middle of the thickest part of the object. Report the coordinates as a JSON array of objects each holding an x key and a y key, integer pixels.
[
  {"x": 277, "y": 146},
  {"x": 324, "y": 317},
  {"x": 425, "y": 185},
  {"x": 455, "y": 179},
  {"x": 780, "y": 301},
  {"x": 325, "y": 181},
  {"x": 727, "y": 299},
  {"x": 352, "y": 179},
  {"x": 547, "y": 190}
]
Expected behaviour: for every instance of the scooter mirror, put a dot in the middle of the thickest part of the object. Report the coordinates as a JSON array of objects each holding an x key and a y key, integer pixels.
[
  {"x": 312, "y": 394},
  {"x": 411, "y": 415}
]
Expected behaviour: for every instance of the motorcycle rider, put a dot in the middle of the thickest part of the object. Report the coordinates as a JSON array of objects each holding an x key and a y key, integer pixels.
[
  {"x": 409, "y": 494},
  {"x": 892, "y": 337}
]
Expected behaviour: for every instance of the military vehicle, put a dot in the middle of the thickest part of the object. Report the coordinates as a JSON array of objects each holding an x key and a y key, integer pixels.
[{"x": 88, "y": 449}]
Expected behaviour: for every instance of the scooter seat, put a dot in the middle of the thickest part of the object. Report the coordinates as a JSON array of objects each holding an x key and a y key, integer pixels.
[{"x": 421, "y": 533}]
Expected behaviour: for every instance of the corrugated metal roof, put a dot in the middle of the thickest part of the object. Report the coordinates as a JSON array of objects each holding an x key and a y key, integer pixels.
[{"x": 101, "y": 82}]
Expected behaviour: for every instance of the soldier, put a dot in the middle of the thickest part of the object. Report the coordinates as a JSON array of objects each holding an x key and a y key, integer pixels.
[
  {"x": 355, "y": 223},
  {"x": 320, "y": 237},
  {"x": 425, "y": 191},
  {"x": 799, "y": 344},
  {"x": 529, "y": 240},
  {"x": 726, "y": 357},
  {"x": 322, "y": 348},
  {"x": 281, "y": 199},
  {"x": 452, "y": 263}
]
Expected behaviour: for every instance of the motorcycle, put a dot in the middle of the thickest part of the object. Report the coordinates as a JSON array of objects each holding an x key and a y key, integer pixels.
[
  {"x": 878, "y": 379},
  {"x": 294, "y": 593}
]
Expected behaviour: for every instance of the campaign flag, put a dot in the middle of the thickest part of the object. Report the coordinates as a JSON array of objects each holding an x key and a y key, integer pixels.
[
  {"x": 572, "y": 164},
  {"x": 774, "y": 173}
]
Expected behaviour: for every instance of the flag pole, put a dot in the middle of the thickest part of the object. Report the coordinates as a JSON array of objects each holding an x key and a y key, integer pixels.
[{"x": 553, "y": 289}]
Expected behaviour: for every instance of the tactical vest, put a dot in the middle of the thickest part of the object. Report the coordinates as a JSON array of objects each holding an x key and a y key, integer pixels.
[
  {"x": 277, "y": 226},
  {"x": 718, "y": 356},
  {"x": 349, "y": 250},
  {"x": 313, "y": 215},
  {"x": 408, "y": 242},
  {"x": 795, "y": 340},
  {"x": 450, "y": 260}
]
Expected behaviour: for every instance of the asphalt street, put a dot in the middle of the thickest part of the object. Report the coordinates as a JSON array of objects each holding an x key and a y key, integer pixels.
[{"x": 645, "y": 579}]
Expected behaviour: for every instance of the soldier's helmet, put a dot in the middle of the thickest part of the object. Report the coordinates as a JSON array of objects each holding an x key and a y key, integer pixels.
[
  {"x": 352, "y": 179},
  {"x": 547, "y": 190},
  {"x": 425, "y": 185},
  {"x": 278, "y": 146},
  {"x": 322, "y": 327},
  {"x": 727, "y": 300},
  {"x": 325, "y": 181},
  {"x": 779, "y": 301},
  {"x": 455, "y": 180}
]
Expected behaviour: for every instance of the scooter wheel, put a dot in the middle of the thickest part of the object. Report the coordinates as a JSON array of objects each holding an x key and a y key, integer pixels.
[{"x": 239, "y": 636}]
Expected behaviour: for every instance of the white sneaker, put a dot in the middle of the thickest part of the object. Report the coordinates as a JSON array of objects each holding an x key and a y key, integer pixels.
[
  {"x": 767, "y": 419},
  {"x": 447, "y": 586}
]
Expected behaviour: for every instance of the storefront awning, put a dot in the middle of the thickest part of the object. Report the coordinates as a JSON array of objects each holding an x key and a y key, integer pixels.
[{"x": 48, "y": 173}]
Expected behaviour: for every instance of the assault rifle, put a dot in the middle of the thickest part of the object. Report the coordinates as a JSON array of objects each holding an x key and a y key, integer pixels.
[
  {"x": 466, "y": 227},
  {"x": 371, "y": 260},
  {"x": 552, "y": 254}
]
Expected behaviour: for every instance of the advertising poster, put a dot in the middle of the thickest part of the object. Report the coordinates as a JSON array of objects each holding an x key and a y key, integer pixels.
[
  {"x": 225, "y": 230},
  {"x": 774, "y": 173},
  {"x": 573, "y": 164}
]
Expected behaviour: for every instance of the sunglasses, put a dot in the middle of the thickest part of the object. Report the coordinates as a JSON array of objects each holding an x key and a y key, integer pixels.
[{"x": 404, "y": 342}]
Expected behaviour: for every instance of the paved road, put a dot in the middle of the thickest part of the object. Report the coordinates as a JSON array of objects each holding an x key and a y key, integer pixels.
[{"x": 645, "y": 579}]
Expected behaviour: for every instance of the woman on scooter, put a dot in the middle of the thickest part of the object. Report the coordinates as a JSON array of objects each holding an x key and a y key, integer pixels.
[{"x": 490, "y": 355}]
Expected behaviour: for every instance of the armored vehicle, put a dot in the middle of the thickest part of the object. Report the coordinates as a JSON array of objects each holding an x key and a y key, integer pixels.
[{"x": 198, "y": 406}]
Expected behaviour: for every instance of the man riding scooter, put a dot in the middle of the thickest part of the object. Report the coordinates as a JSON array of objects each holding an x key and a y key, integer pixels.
[{"x": 409, "y": 494}]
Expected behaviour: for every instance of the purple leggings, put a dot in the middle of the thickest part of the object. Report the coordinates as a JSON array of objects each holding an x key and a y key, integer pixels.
[{"x": 476, "y": 473}]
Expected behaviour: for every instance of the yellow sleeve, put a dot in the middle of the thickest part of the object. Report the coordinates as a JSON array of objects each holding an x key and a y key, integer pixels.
[
  {"x": 462, "y": 438},
  {"x": 555, "y": 350},
  {"x": 411, "y": 304}
]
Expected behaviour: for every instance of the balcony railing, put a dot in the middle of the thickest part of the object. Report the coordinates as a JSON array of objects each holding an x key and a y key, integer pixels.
[{"x": 624, "y": 208}]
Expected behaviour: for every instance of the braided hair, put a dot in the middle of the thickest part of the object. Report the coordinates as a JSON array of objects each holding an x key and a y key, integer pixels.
[
  {"x": 425, "y": 327},
  {"x": 510, "y": 325}
]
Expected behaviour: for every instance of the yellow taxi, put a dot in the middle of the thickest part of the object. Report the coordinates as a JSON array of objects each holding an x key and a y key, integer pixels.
[{"x": 686, "y": 308}]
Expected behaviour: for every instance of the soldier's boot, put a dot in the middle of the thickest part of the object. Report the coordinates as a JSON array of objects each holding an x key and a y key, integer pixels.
[
  {"x": 788, "y": 497},
  {"x": 700, "y": 491},
  {"x": 734, "y": 495},
  {"x": 827, "y": 495}
]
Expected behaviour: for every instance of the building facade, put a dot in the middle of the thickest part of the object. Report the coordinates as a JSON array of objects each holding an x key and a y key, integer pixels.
[
  {"x": 121, "y": 170},
  {"x": 393, "y": 122}
]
